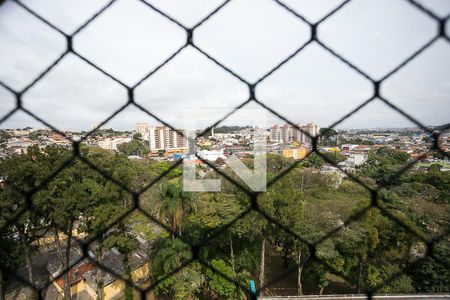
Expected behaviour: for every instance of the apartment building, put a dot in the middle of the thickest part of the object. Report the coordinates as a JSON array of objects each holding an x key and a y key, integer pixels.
[
  {"x": 288, "y": 133},
  {"x": 162, "y": 137},
  {"x": 111, "y": 144},
  {"x": 143, "y": 129}
]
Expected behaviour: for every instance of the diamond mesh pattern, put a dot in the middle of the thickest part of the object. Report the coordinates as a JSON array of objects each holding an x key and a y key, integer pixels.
[{"x": 253, "y": 196}]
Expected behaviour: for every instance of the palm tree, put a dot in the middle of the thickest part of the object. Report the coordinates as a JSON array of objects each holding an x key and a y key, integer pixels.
[{"x": 174, "y": 204}]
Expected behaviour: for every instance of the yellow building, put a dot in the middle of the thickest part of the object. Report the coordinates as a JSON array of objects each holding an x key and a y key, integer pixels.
[
  {"x": 295, "y": 153},
  {"x": 115, "y": 289},
  {"x": 172, "y": 151},
  {"x": 85, "y": 275},
  {"x": 331, "y": 149}
]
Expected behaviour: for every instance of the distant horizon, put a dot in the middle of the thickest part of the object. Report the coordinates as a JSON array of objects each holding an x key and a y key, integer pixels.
[{"x": 133, "y": 129}]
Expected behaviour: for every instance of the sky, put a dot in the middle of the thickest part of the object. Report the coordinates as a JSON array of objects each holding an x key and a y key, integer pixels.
[{"x": 249, "y": 37}]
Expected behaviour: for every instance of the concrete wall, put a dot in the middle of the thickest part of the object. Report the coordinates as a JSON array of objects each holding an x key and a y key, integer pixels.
[
  {"x": 74, "y": 289},
  {"x": 116, "y": 287},
  {"x": 140, "y": 272},
  {"x": 113, "y": 289}
]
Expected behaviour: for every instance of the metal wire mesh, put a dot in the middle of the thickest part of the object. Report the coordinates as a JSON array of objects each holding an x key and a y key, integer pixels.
[{"x": 253, "y": 196}]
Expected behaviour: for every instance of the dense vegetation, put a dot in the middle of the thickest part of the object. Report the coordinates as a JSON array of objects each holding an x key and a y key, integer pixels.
[
  {"x": 227, "y": 129},
  {"x": 362, "y": 255},
  {"x": 136, "y": 147}
]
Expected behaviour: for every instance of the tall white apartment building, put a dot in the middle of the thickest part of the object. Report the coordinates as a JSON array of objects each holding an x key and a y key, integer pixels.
[
  {"x": 162, "y": 137},
  {"x": 288, "y": 133},
  {"x": 312, "y": 129},
  {"x": 143, "y": 129}
]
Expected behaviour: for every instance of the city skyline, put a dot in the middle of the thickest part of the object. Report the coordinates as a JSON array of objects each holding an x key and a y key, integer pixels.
[{"x": 131, "y": 129}]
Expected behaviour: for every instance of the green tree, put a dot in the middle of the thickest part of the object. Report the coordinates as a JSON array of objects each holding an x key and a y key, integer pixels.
[
  {"x": 327, "y": 132},
  {"x": 63, "y": 201},
  {"x": 383, "y": 165},
  {"x": 175, "y": 203},
  {"x": 328, "y": 136},
  {"x": 96, "y": 222},
  {"x": 125, "y": 243},
  {"x": 432, "y": 276},
  {"x": 4, "y": 137},
  {"x": 277, "y": 163},
  {"x": 435, "y": 177},
  {"x": 318, "y": 273},
  {"x": 221, "y": 287},
  {"x": 12, "y": 257},
  {"x": 76, "y": 193},
  {"x": 23, "y": 174},
  {"x": 371, "y": 244},
  {"x": 285, "y": 202},
  {"x": 137, "y": 136},
  {"x": 169, "y": 256},
  {"x": 313, "y": 160},
  {"x": 135, "y": 147},
  {"x": 161, "y": 152}
]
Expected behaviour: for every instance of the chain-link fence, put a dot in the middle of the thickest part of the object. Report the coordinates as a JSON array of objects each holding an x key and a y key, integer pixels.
[{"x": 376, "y": 198}]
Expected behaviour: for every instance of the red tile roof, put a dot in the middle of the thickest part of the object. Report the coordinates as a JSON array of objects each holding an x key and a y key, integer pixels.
[{"x": 76, "y": 273}]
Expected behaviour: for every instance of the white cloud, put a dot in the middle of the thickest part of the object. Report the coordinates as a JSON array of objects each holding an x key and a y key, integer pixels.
[{"x": 130, "y": 39}]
